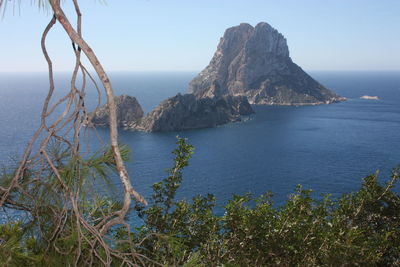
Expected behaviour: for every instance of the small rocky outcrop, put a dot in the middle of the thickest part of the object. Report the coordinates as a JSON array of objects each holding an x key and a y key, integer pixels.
[
  {"x": 255, "y": 62},
  {"x": 128, "y": 111}
]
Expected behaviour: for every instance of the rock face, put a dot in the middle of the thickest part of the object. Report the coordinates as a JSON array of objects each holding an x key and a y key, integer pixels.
[
  {"x": 254, "y": 62},
  {"x": 128, "y": 111},
  {"x": 184, "y": 112}
]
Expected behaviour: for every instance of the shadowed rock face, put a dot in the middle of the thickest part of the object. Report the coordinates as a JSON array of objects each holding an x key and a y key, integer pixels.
[
  {"x": 184, "y": 112},
  {"x": 181, "y": 112},
  {"x": 254, "y": 62},
  {"x": 128, "y": 111}
]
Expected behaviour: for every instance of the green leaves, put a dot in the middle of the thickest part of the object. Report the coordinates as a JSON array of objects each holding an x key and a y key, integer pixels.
[
  {"x": 361, "y": 228},
  {"x": 14, "y": 250}
]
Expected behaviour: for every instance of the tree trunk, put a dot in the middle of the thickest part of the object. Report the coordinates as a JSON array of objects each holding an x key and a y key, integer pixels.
[{"x": 129, "y": 190}]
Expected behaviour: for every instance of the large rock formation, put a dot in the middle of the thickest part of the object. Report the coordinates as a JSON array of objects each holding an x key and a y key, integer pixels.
[
  {"x": 254, "y": 62},
  {"x": 181, "y": 112},
  {"x": 128, "y": 111},
  {"x": 251, "y": 65}
]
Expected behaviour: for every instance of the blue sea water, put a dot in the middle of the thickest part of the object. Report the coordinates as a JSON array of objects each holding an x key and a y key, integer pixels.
[{"x": 327, "y": 148}]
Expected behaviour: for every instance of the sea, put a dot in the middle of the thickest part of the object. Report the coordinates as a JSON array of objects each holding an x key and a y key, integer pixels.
[{"x": 326, "y": 148}]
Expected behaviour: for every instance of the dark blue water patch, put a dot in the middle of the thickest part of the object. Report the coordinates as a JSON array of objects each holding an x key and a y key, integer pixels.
[{"x": 327, "y": 148}]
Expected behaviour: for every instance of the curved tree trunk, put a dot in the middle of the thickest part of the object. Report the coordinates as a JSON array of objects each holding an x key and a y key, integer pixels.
[{"x": 77, "y": 39}]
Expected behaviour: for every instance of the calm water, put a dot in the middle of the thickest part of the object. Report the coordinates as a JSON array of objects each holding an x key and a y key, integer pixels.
[{"x": 326, "y": 148}]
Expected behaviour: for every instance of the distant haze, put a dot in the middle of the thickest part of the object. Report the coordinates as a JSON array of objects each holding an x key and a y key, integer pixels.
[{"x": 172, "y": 35}]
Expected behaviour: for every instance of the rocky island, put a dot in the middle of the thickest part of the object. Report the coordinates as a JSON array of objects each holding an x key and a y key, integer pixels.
[
  {"x": 255, "y": 62},
  {"x": 128, "y": 110},
  {"x": 251, "y": 66}
]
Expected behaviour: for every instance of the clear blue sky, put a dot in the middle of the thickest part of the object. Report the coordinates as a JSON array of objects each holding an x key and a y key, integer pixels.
[{"x": 182, "y": 35}]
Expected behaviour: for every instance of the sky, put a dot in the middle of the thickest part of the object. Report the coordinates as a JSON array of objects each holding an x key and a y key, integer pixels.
[{"x": 182, "y": 35}]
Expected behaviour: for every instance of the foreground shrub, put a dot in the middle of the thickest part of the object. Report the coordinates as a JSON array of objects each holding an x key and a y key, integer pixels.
[
  {"x": 361, "y": 228},
  {"x": 357, "y": 229}
]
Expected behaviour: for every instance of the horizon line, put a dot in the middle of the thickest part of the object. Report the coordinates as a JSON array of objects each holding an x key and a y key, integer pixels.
[{"x": 166, "y": 71}]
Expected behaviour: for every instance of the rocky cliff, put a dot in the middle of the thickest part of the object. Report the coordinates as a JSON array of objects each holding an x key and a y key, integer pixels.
[
  {"x": 255, "y": 62},
  {"x": 181, "y": 112}
]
